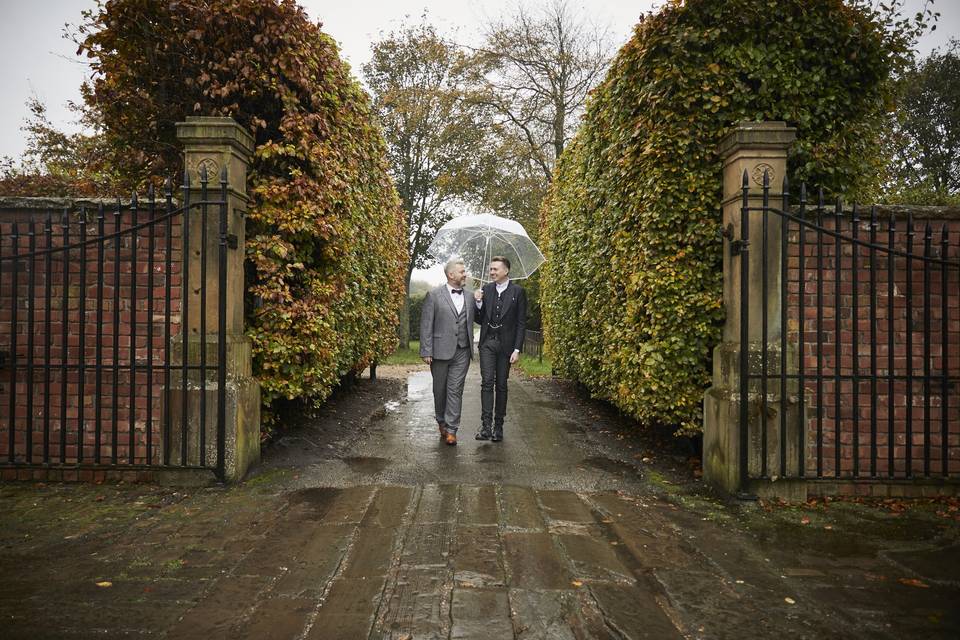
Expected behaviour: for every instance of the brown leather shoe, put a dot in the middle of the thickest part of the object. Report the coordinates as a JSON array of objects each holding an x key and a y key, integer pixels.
[
  {"x": 450, "y": 439},
  {"x": 443, "y": 432}
]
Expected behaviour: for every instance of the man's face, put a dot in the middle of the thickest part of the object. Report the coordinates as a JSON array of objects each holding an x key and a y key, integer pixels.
[
  {"x": 498, "y": 271},
  {"x": 457, "y": 276}
]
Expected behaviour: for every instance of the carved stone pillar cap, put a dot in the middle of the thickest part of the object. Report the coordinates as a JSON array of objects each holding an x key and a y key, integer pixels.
[
  {"x": 758, "y": 135},
  {"x": 203, "y": 130}
]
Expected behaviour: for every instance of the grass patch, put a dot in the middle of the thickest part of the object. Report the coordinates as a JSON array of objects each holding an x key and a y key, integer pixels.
[
  {"x": 405, "y": 356},
  {"x": 534, "y": 367}
]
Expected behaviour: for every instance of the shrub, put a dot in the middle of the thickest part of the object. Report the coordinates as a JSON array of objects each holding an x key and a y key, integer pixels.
[
  {"x": 326, "y": 237},
  {"x": 633, "y": 283},
  {"x": 416, "y": 308}
]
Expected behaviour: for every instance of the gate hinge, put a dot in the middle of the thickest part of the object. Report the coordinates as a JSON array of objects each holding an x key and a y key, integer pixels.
[{"x": 736, "y": 246}]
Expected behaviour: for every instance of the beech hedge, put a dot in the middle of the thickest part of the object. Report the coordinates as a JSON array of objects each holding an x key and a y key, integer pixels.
[
  {"x": 632, "y": 287},
  {"x": 326, "y": 238}
]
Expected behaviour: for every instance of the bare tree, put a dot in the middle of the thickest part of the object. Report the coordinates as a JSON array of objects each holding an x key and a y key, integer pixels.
[
  {"x": 534, "y": 72},
  {"x": 435, "y": 138}
]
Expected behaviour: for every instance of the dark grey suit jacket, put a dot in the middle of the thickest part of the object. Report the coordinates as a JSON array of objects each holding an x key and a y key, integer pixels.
[{"x": 513, "y": 315}]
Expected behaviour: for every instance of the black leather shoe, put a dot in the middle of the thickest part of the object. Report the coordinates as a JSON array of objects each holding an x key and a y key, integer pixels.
[
  {"x": 497, "y": 435},
  {"x": 483, "y": 434}
]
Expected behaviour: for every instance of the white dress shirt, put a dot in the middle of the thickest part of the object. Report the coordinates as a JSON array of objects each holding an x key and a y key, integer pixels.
[
  {"x": 500, "y": 289},
  {"x": 456, "y": 297}
]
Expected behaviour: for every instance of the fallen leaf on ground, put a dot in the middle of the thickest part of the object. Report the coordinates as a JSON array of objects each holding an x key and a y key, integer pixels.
[
  {"x": 790, "y": 601},
  {"x": 105, "y": 583},
  {"x": 804, "y": 520},
  {"x": 577, "y": 583},
  {"x": 913, "y": 582}
]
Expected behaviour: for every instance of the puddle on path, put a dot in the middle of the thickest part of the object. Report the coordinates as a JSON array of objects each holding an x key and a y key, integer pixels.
[
  {"x": 419, "y": 384},
  {"x": 366, "y": 465}
]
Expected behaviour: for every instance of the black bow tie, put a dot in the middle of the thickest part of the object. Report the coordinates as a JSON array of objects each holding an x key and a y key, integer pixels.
[{"x": 458, "y": 291}]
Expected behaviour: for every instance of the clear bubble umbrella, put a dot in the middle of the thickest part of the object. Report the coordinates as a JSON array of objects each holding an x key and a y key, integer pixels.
[{"x": 478, "y": 238}]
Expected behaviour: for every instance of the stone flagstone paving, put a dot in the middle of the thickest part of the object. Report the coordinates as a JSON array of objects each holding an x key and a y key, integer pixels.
[{"x": 383, "y": 532}]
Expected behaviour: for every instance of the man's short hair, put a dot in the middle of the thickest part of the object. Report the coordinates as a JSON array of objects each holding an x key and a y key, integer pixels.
[
  {"x": 502, "y": 259},
  {"x": 451, "y": 263}
]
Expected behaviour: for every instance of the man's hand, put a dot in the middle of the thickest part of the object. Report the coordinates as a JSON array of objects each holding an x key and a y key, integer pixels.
[
  {"x": 428, "y": 359},
  {"x": 514, "y": 357}
]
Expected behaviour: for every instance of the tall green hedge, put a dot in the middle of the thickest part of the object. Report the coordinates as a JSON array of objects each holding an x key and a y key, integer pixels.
[
  {"x": 633, "y": 285},
  {"x": 326, "y": 238}
]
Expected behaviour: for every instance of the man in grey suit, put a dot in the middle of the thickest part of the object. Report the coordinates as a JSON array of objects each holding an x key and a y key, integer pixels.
[{"x": 446, "y": 344}]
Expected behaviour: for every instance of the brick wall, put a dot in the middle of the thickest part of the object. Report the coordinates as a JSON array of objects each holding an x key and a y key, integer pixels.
[
  {"x": 863, "y": 446},
  {"x": 56, "y": 392}
]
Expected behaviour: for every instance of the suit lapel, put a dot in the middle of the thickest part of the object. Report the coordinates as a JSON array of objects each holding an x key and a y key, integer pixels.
[
  {"x": 488, "y": 301},
  {"x": 508, "y": 294},
  {"x": 446, "y": 296}
]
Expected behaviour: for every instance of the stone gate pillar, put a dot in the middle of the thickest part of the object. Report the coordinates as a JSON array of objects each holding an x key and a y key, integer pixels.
[
  {"x": 754, "y": 148},
  {"x": 215, "y": 144}
]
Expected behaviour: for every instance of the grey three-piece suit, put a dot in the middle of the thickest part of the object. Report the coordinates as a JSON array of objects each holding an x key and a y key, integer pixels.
[{"x": 447, "y": 337}]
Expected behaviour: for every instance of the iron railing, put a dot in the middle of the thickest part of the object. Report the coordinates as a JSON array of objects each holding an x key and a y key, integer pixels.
[
  {"x": 103, "y": 364},
  {"x": 858, "y": 367},
  {"x": 533, "y": 344}
]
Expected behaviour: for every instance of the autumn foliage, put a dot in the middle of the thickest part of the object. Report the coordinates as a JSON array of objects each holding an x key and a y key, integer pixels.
[
  {"x": 326, "y": 240},
  {"x": 633, "y": 283}
]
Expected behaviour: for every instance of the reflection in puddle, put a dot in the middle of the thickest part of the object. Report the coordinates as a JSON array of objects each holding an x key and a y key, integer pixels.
[
  {"x": 391, "y": 406},
  {"x": 419, "y": 384}
]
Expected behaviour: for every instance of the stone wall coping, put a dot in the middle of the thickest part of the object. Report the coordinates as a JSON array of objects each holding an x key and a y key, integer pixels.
[
  {"x": 899, "y": 211},
  {"x": 45, "y": 203},
  {"x": 920, "y": 212}
]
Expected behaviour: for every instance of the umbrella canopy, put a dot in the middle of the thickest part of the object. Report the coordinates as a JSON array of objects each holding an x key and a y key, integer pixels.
[{"x": 478, "y": 238}]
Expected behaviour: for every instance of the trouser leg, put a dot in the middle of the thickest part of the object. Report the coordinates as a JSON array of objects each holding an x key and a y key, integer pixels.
[
  {"x": 456, "y": 377},
  {"x": 488, "y": 375},
  {"x": 500, "y": 387},
  {"x": 439, "y": 369}
]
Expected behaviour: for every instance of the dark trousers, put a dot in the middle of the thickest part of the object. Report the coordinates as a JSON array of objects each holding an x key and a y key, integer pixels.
[{"x": 494, "y": 371}]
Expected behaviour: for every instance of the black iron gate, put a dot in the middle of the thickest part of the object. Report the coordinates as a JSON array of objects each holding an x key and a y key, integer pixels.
[
  {"x": 853, "y": 365},
  {"x": 103, "y": 365}
]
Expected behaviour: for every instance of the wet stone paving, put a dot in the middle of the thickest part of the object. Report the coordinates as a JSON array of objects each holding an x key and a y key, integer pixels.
[{"x": 378, "y": 530}]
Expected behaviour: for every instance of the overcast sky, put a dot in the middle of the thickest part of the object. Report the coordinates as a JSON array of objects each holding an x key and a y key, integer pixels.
[{"x": 38, "y": 61}]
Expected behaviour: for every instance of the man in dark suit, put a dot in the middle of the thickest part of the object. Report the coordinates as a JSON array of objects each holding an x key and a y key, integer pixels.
[{"x": 502, "y": 314}]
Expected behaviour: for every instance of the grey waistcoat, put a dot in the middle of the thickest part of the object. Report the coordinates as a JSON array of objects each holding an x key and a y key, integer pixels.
[{"x": 463, "y": 332}]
